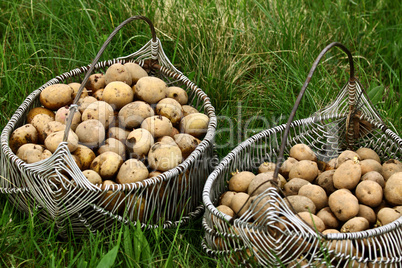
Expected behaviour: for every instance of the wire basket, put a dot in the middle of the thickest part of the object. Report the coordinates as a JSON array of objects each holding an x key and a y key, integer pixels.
[
  {"x": 168, "y": 200},
  {"x": 279, "y": 237}
]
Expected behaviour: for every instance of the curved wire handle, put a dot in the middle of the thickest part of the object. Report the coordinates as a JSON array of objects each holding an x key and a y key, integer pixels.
[
  {"x": 74, "y": 106},
  {"x": 299, "y": 97}
]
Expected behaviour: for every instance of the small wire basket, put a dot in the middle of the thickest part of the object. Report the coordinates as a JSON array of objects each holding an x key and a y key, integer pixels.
[
  {"x": 279, "y": 237},
  {"x": 168, "y": 200}
]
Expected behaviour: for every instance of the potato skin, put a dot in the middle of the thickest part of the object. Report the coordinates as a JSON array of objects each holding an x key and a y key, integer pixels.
[
  {"x": 132, "y": 171},
  {"x": 263, "y": 181},
  {"x": 150, "y": 89},
  {"x": 343, "y": 204},
  {"x": 139, "y": 142},
  {"x": 195, "y": 124},
  {"x": 188, "y": 109},
  {"x": 23, "y": 135},
  {"x": 135, "y": 70},
  {"x": 238, "y": 201},
  {"x": 99, "y": 110},
  {"x": 107, "y": 164},
  {"x": 312, "y": 220},
  {"x": 369, "y": 193},
  {"x": 301, "y": 203},
  {"x": 95, "y": 82},
  {"x": 158, "y": 126},
  {"x": 178, "y": 94},
  {"x": 171, "y": 109},
  {"x": 328, "y": 217},
  {"x": 164, "y": 156},
  {"x": 304, "y": 169},
  {"x": 39, "y": 110},
  {"x": 356, "y": 224},
  {"x": 118, "y": 94},
  {"x": 56, "y": 96},
  {"x": 91, "y": 133},
  {"x": 316, "y": 194},
  {"x": 86, "y": 156},
  {"x": 187, "y": 143},
  {"x": 226, "y": 210},
  {"x": 133, "y": 114},
  {"x": 92, "y": 176},
  {"x": 240, "y": 181},
  {"x": 293, "y": 186},
  {"x": 347, "y": 175},
  {"x": 53, "y": 140},
  {"x": 387, "y": 215},
  {"x": 367, "y": 153},
  {"x": 302, "y": 152},
  {"x": 393, "y": 189},
  {"x": 117, "y": 72}
]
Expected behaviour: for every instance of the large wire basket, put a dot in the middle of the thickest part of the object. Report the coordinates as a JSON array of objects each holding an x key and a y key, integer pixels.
[
  {"x": 168, "y": 200},
  {"x": 279, "y": 238}
]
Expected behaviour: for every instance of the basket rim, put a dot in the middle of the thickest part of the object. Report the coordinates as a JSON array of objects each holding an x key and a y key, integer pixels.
[
  {"x": 210, "y": 207},
  {"x": 204, "y": 144}
]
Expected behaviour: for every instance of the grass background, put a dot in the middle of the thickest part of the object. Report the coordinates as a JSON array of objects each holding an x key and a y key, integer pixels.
[{"x": 251, "y": 58}]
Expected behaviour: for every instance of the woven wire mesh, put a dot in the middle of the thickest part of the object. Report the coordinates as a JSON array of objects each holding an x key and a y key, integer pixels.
[
  {"x": 58, "y": 192},
  {"x": 269, "y": 228}
]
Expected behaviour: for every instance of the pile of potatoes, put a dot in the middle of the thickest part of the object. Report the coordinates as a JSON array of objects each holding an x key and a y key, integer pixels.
[
  {"x": 351, "y": 193},
  {"x": 129, "y": 126}
]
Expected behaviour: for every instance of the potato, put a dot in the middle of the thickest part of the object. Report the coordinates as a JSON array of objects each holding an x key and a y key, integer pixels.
[
  {"x": 367, "y": 213},
  {"x": 226, "y": 198},
  {"x": 339, "y": 246},
  {"x": 367, "y": 153},
  {"x": 76, "y": 86},
  {"x": 112, "y": 200},
  {"x": 393, "y": 189},
  {"x": 132, "y": 171},
  {"x": 53, "y": 140},
  {"x": 287, "y": 165},
  {"x": 263, "y": 181},
  {"x": 332, "y": 164},
  {"x": 55, "y": 96},
  {"x": 51, "y": 127},
  {"x": 98, "y": 95},
  {"x": 178, "y": 94},
  {"x": 139, "y": 142},
  {"x": 369, "y": 193},
  {"x": 387, "y": 215},
  {"x": 301, "y": 204},
  {"x": 107, "y": 164},
  {"x": 91, "y": 133},
  {"x": 62, "y": 117},
  {"x": 175, "y": 131},
  {"x": 86, "y": 156},
  {"x": 171, "y": 109},
  {"x": 328, "y": 217},
  {"x": 157, "y": 125},
  {"x": 325, "y": 180},
  {"x": 23, "y": 135},
  {"x": 117, "y": 72},
  {"x": 133, "y": 114},
  {"x": 40, "y": 122},
  {"x": 188, "y": 109},
  {"x": 266, "y": 166},
  {"x": 374, "y": 176},
  {"x": 347, "y": 175},
  {"x": 292, "y": 187},
  {"x": 38, "y": 110},
  {"x": 84, "y": 102},
  {"x": 304, "y": 169},
  {"x": 195, "y": 124},
  {"x": 259, "y": 207},
  {"x": 302, "y": 152},
  {"x": 154, "y": 174},
  {"x": 390, "y": 167},
  {"x": 95, "y": 82},
  {"x": 312, "y": 220},
  {"x": 368, "y": 165},
  {"x": 343, "y": 204},
  {"x": 118, "y": 94},
  {"x": 150, "y": 89},
  {"x": 99, "y": 110},
  {"x": 135, "y": 70},
  {"x": 118, "y": 134},
  {"x": 316, "y": 194},
  {"x": 356, "y": 224},
  {"x": 163, "y": 157},
  {"x": 187, "y": 143},
  {"x": 226, "y": 210},
  {"x": 240, "y": 203},
  {"x": 92, "y": 176},
  {"x": 27, "y": 149},
  {"x": 347, "y": 155},
  {"x": 113, "y": 145},
  {"x": 240, "y": 181}
]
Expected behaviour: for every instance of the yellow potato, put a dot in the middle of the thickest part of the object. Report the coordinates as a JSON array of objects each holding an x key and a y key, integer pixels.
[
  {"x": 55, "y": 96},
  {"x": 23, "y": 135}
]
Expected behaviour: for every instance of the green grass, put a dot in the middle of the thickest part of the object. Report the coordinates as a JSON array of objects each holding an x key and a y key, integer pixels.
[{"x": 250, "y": 57}]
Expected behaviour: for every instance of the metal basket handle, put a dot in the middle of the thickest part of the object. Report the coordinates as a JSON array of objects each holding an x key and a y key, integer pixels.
[
  {"x": 352, "y": 94},
  {"x": 74, "y": 106}
]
